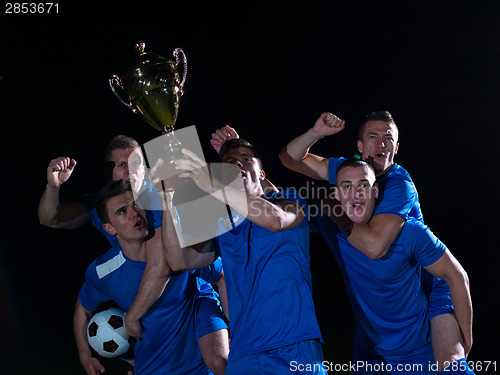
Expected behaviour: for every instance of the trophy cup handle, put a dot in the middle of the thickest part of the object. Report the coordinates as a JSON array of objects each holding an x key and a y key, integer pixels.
[
  {"x": 115, "y": 80},
  {"x": 178, "y": 51}
]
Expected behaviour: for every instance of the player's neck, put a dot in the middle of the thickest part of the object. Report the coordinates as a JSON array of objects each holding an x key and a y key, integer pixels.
[
  {"x": 381, "y": 173},
  {"x": 134, "y": 249}
]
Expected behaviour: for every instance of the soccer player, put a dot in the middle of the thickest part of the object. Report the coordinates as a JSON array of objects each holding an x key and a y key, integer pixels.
[
  {"x": 390, "y": 307},
  {"x": 169, "y": 342},
  {"x": 378, "y": 144},
  {"x": 265, "y": 255},
  {"x": 124, "y": 161}
]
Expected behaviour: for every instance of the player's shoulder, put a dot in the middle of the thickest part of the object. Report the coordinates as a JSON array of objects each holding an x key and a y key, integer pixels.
[
  {"x": 416, "y": 230},
  {"x": 108, "y": 262},
  {"x": 333, "y": 164},
  {"x": 336, "y": 161},
  {"x": 415, "y": 225},
  {"x": 397, "y": 178},
  {"x": 398, "y": 172},
  {"x": 112, "y": 253}
]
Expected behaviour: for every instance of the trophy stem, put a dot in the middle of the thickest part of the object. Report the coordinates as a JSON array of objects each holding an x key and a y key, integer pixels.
[
  {"x": 171, "y": 151},
  {"x": 173, "y": 146},
  {"x": 168, "y": 129}
]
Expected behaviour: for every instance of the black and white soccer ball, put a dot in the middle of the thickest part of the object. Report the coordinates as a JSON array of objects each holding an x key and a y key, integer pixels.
[{"x": 107, "y": 334}]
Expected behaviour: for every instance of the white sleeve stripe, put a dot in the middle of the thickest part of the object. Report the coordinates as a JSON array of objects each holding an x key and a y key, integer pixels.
[{"x": 111, "y": 265}]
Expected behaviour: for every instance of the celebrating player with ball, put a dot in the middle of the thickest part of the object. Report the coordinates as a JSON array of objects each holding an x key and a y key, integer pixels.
[{"x": 169, "y": 339}]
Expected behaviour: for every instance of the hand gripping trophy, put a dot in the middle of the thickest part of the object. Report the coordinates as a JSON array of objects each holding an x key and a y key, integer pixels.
[{"x": 153, "y": 89}]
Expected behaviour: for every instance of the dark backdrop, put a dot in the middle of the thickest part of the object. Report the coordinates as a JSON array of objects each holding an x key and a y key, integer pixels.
[{"x": 268, "y": 71}]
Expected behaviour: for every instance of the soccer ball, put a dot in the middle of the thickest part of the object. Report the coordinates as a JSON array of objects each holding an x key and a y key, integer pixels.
[{"x": 107, "y": 334}]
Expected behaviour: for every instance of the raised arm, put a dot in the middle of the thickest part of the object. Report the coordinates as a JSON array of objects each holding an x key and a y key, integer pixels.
[
  {"x": 81, "y": 320},
  {"x": 51, "y": 212},
  {"x": 272, "y": 216},
  {"x": 178, "y": 257},
  {"x": 296, "y": 155},
  {"x": 275, "y": 217},
  {"x": 153, "y": 282},
  {"x": 448, "y": 268}
]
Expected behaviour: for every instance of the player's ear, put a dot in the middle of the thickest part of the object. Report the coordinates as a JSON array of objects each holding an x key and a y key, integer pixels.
[
  {"x": 109, "y": 228},
  {"x": 262, "y": 175},
  {"x": 375, "y": 190},
  {"x": 360, "y": 146},
  {"x": 396, "y": 148}
]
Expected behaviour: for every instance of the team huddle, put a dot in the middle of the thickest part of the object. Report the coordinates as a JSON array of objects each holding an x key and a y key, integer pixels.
[{"x": 241, "y": 303}]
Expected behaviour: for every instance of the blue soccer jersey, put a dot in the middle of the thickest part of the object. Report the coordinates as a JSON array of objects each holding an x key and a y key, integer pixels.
[
  {"x": 209, "y": 316},
  {"x": 389, "y": 305},
  {"x": 268, "y": 283},
  {"x": 169, "y": 343}
]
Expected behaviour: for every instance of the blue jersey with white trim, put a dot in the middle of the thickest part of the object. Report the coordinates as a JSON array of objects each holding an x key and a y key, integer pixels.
[{"x": 169, "y": 344}]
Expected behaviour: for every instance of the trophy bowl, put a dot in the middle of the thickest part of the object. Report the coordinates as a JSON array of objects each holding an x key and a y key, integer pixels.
[{"x": 153, "y": 87}]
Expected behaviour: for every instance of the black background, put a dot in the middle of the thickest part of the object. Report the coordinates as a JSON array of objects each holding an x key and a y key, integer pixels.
[{"x": 269, "y": 71}]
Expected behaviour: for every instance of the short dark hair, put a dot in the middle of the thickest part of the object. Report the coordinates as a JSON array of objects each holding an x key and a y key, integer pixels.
[
  {"x": 120, "y": 142},
  {"x": 376, "y": 116},
  {"x": 355, "y": 163},
  {"x": 110, "y": 190},
  {"x": 237, "y": 143}
]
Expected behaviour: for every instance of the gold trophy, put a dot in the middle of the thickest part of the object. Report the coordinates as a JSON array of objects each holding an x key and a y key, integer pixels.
[{"x": 153, "y": 89}]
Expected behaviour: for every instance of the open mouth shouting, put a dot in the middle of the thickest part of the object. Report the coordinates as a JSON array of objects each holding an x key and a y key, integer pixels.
[
  {"x": 140, "y": 223},
  {"x": 358, "y": 206}
]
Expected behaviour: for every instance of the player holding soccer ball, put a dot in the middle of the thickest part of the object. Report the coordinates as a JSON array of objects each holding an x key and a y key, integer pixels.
[{"x": 169, "y": 343}]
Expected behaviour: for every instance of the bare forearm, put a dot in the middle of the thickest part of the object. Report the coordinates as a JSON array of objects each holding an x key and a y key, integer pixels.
[
  {"x": 176, "y": 256},
  {"x": 462, "y": 302},
  {"x": 449, "y": 269},
  {"x": 362, "y": 236},
  {"x": 256, "y": 209},
  {"x": 366, "y": 240},
  {"x": 80, "y": 322},
  {"x": 48, "y": 206},
  {"x": 296, "y": 156},
  {"x": 54, "y": 214},
  {"x": 299, "y": 147},
  {"x": 375, "y": 238},
  {"x": 153, "y": 282}
]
